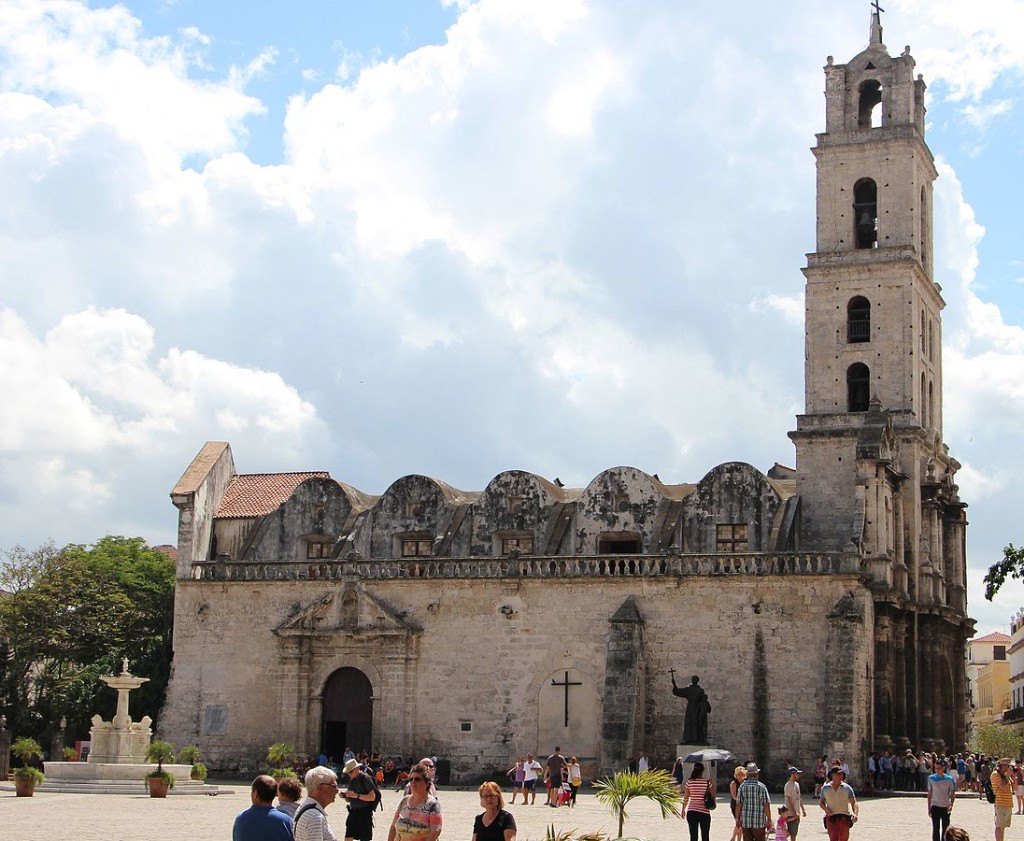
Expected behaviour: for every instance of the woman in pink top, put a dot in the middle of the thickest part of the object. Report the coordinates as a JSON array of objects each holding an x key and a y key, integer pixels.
[{"x": 697, "y": 814}]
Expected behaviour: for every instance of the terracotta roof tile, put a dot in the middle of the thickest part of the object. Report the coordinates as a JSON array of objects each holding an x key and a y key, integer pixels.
[
  {"x": 256, "y": 494},
  {"x": 995, "y": 636}
]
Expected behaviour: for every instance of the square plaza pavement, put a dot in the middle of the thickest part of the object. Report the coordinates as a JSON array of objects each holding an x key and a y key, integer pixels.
[{"x": 112, "y": 817}]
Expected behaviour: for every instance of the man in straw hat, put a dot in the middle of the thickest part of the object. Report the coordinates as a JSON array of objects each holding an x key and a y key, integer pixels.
[
  {"x": 753, "y": 806},
  {"x": 1002, "y": 785}
]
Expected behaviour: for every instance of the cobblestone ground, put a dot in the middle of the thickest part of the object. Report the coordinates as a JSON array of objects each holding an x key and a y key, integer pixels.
[{"x": 99, "y": 817}]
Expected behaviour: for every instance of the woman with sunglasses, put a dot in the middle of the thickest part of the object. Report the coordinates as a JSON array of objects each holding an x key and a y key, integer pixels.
[
  {"x": 495, "y": 824},
  {"x": 418, "y": 816}
]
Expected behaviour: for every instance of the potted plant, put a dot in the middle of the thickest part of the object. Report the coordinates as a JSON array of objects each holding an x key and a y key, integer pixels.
[
  {"x": 280, "y": 756},
  {"x": 70, "y": 754},
  {"x": 27, "y": 777},
  {"x": 191, "y": 754},
  {"x": 160, "y": 781}
]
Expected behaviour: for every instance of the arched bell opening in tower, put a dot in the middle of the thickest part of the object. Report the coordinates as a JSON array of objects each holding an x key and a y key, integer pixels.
[
  {"x": 869, "y": 114},
  {"x": 865, "y": 212}
]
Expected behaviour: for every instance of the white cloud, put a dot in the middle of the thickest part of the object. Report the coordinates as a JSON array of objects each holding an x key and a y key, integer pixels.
[
  {"x": 88, "y": 411},
  {"x": 567, "y": 237}
]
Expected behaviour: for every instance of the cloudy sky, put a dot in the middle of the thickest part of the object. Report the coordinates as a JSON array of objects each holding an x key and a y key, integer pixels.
[{"x": 453, "y": 238}]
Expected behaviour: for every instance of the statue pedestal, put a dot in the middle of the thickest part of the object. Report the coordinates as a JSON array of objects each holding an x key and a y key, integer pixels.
[{"x": 710, "y": 765}]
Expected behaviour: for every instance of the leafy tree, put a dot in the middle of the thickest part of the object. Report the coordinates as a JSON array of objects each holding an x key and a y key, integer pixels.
[
  {"x": 1011, "y": 565},
  {"x": 996, "y": 740},
  {"x": 68, "y": 616},
  {"x": 657, "y": 785}
]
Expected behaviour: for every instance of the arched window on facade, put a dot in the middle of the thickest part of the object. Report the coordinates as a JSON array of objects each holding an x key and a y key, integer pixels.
[
  {"x": 922, "y": 331},
  {"x": 858, "y": 320},
  {"x": 858, "y": 387},
  {"x": 865, "y": 213},
  {"x": 931, "y": 339},
  {"x": 869, "y": 112},
  {"x": 931, "y": 404}
]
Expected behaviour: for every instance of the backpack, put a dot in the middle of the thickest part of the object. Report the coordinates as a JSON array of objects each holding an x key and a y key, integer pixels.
[
  {"x": 301, "y": 812},
  {"x": 990, "y": 795}
]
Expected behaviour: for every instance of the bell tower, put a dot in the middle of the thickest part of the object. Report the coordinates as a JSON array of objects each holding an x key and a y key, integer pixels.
[{"x": 873, "y": 474}]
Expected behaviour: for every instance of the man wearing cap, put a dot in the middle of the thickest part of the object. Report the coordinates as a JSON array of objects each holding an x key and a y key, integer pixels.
[
  {"x": 361, "y": 795},
  {"x": 839, "y": 804},
  {"x": 941, "y": 793},
  {"x": 1003, "y": 788},
  {"x": 794, "y": 803},
  {"x": 753, "y": 806}
]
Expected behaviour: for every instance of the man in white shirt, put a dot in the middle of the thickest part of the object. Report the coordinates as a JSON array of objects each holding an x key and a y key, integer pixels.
[
  {"x": 794, "y": 803},
  {"x": 531, "y": 769},
  {"x": 311, "y": 822}
]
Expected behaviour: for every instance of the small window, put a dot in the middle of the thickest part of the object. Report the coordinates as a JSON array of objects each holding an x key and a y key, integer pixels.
[
  {"x": 731, "y": 537},
  {"x": 319, "y": 550},
  {"x": 858, "y": 387},
  {"x": 998, "y": 652},
  {"x": 515, "y": 502},
  {"x": 414, "y": 508},
  {"x": 618, "y": 543},
  {"x": 858, "y": 320},
  {"x": 520, "y": 545},
  {"x": 415, "y": 547},
  {"x": 465, "y": 726}
]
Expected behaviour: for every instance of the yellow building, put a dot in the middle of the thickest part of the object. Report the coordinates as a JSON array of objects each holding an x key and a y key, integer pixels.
[{"x": 988, "y": 679}]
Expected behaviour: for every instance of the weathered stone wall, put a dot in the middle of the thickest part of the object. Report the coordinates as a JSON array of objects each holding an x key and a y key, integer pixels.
[{"x": 448, "y": 651}]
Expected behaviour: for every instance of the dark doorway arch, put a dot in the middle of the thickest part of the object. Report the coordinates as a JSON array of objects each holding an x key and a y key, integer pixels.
[{"x": 347, "y": 713}]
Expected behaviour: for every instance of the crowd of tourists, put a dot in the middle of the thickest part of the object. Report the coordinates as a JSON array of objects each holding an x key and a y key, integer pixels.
[
  {"x": 889, "y": 771},
  {"x": 560, "y": 777},
  {"x": 418, "y": 816}
]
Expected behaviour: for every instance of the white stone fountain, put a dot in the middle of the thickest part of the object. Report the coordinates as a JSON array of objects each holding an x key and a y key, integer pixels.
[{"x": 117, "y": 762}]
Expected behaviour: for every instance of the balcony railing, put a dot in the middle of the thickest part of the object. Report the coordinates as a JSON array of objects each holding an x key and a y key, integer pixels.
[{"x": 535, "y": 566}]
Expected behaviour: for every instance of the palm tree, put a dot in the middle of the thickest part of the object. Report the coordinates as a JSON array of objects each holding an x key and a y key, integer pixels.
[{"x": 658, "y": 786}]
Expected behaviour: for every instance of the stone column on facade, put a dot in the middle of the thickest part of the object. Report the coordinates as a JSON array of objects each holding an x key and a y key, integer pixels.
[
  {"x": 899, "y": 674},
  {"x": 845, "y": 636},
  {"x": 899, "y": 546},
  {"x": 883, "y": 690},
  {"x": 622, "y": 675},
  {"x": 926, "y": 678}
]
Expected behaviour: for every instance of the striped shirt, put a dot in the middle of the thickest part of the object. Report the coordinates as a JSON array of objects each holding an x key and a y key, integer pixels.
[
  {"x": 751, "y": 799},
  {"x": 1003, "y": 787},
  {"x": 693, "y": 794}
]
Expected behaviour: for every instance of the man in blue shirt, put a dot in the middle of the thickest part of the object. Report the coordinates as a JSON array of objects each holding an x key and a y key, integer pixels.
[
  {"x": 261, "y": 821},
  {"x": 941, "y": 793}
]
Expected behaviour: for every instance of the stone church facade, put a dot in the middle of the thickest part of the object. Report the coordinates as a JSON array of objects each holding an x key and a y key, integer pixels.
[{"x": 829, "y": 599}]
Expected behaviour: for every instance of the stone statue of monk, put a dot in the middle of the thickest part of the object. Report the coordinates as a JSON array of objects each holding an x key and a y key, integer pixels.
[{"x": 695, "y": 723}]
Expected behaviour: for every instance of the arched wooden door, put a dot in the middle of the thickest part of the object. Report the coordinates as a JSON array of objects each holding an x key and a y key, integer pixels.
[{"x": 347, "y": 714}]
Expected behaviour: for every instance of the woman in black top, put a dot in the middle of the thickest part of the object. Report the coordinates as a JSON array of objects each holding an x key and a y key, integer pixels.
[{"x": 495, "y": 824}]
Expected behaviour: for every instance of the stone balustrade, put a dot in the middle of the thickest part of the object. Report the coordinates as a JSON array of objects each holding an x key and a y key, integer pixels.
[{"x": 535, "y": 566}]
